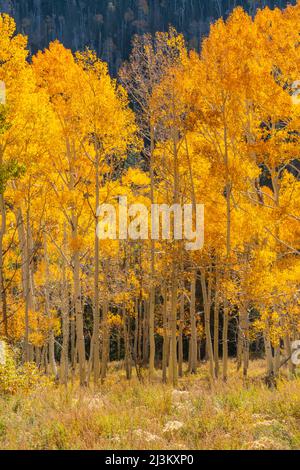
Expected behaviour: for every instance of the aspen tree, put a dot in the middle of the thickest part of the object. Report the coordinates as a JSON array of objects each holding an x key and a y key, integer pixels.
[
  {"x": 110, "y": 131},
  {"x": 64, "y": 91},
  {"x": 149, "y": 59}
]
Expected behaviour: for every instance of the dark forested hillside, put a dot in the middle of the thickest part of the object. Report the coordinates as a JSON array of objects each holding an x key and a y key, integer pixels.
[{"x": 108, "y": 25}]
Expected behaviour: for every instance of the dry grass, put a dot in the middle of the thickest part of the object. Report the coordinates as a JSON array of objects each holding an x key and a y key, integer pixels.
[{"x": 134, "y": 416}]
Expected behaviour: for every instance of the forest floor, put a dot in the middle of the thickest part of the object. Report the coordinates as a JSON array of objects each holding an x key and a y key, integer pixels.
[{"x": 134, "y": 416}]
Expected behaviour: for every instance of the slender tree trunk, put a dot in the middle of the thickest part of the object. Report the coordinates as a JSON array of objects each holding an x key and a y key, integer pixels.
[
  {"x": 140, "y": 331},
  {"x": 288, "y": 353},
  {"x": 190, "y": 357},
  {"x": 48, "y": 310},
  {"x": 128, "y": 360},
  {"x": 136, "y": 331},
  {"x": 24, "y": 236},
  {"x": 228, "y": 246},
  {"x": 199, "y": 342},
  {"x": 73, "y": 336},
  {"x": 28, "y": 305},
  {"x": 96, "y": 329},
  {"x": 216, "y": 329},
  {"x": 78, "y": 307},
  {"x": 166, "y": 336},
  {"x": 64, "y": 360},
  {"x": 3, "y": 301},
  {"x": 225, "y": 342},
  {"x": 207, "y": 309},
  {"x": 146, "y": 334},
  {"x": 239, "y": 345},
  {"x": 38, "y": 356},
  {"x": 27, "y": 294},
  {"x": 193, "y": 343},
  {"x": 269, "y": 355},
  {"x": 152, "y": 287},
  {"x": 105, "y": 343},
  {"x": 173, "y": 371},
  {"x": 119, "y": 345},
  {"x": 180, "y": 339},
  {"x": 173, "y": 365},
  {"x": 80, "y": 342},
  {"x": 23, "y": 249},
  {"x": 193, "y": 340},
  {"x": 151, "y": 333},
  {"x": 245, "y": 337},
  {"x": 2, "y": 283},
  {"x": 277, "y": 360}
]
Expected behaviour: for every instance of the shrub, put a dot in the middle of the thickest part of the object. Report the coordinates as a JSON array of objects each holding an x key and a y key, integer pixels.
[{"x": 14, "y": 378}]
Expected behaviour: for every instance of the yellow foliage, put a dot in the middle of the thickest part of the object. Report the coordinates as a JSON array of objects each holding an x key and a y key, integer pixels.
[{"x": 20, "y": 379}]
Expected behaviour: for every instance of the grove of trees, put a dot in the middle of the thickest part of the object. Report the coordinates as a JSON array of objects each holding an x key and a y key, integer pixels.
[{"x": 219, "y": 128}]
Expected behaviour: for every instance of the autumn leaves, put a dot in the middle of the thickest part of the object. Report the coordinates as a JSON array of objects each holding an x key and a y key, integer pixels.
[{"x": 219, "y": 129}]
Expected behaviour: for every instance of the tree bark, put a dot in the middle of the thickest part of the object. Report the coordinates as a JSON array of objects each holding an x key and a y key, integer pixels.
[
  {"x": 173, "y": 371},
  {"x": 193, "y": 340},
  {"x": 207, "y": 309},
  {"x": 152, "y": 287},
  {"x": 225, "y": 342},
  {"x": 64, "y": 360},
  {"x": 166, "y": 345},
  {"x": 96, "y": 329},
  {"x": 2, "y": 283},
  {"x": 180, "y": 339},
  {"x": 216, "y": 328},
  {"x": 48, "y": 310}
]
